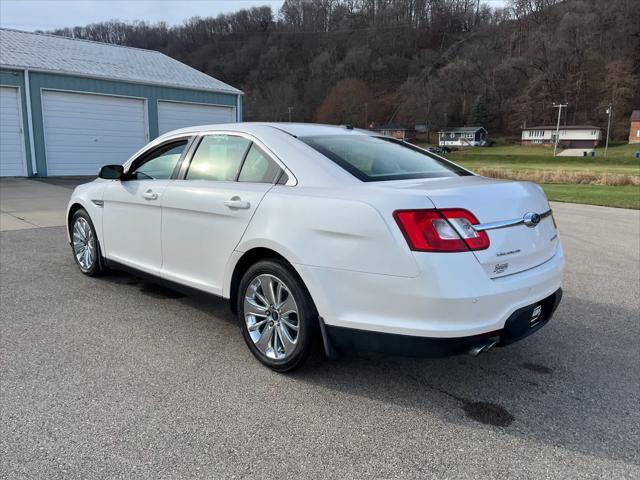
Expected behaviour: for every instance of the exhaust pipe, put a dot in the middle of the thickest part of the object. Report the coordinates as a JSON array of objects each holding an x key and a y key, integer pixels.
[{"x": 483, "y": 346}]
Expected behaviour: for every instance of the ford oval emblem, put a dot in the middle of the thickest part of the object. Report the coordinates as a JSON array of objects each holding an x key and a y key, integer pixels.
[{"x": 531, "y": 219}]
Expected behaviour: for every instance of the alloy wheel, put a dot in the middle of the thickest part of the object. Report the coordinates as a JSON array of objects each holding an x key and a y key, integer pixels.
[
  {"x": 84, "y": 244},
  {"x": 272, "y": 317}
]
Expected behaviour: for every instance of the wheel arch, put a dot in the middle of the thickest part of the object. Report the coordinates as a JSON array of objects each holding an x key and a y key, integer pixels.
[
  {"x": 256, "y": 254},
  {"x": 73, "y": 208},
  {"x": 249, "y": 258},
  {"x": 92, "y": 210}
]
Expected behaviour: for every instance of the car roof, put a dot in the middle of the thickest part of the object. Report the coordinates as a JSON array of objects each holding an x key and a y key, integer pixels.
[
  {"x": 294, "y": 129},
  {"x": 309, "y": 129},
  {"x": 310, "y": 167}
]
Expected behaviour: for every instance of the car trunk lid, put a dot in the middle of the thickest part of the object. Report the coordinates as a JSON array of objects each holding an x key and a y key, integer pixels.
[{"x": 513, "y": 248}]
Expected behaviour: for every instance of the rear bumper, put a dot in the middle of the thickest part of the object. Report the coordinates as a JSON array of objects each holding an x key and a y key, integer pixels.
[
  {"x": 452, "y": 297},
  {"x": 520, "y": 324}
]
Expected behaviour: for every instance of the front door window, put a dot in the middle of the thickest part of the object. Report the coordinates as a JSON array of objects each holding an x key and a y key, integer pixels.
[{"x": 161, "y": 164}]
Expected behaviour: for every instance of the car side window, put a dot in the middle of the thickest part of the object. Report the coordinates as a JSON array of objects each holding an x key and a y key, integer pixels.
[
  {"x": 161, "y": 164},
  {"x": 218, "y": 158},
  {"x": 284, "y": 178},
  {"x": 258, "y": 167}
]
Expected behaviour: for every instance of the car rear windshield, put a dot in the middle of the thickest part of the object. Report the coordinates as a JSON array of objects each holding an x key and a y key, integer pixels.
[{"x": 373, "y": 159}]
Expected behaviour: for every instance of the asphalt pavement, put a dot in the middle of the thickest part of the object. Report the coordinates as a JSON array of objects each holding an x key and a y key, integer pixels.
[{"x": 119, "y": 378}]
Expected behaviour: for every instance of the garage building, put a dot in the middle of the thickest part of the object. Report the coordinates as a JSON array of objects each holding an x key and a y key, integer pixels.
[{"x": 69, "y": 106}]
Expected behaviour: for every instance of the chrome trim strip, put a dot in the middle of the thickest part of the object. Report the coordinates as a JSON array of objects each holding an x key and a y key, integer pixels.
[{"x": 481, "y": 227}]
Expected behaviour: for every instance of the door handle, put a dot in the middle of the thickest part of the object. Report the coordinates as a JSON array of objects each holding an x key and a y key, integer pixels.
[
  {"x": 150, "y": 195},
  {"x": 236, "y": 203}
]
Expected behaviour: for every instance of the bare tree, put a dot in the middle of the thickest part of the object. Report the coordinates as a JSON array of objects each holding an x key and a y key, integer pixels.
[{"x": 411, "y": 60}]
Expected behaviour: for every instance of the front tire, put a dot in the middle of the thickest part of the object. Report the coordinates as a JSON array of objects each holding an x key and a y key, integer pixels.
[
  {"x": 85, "y": 246},
  {"x": 277, "y": 315}
]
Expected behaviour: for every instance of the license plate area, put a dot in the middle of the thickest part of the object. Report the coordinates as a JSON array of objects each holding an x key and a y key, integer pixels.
[
  {"x": 536, "y": 316},
  {"x": 526, "y": 320}
]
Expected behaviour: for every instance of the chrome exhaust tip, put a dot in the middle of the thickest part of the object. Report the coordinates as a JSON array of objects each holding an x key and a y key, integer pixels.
[{"x": 483, "y": 346}]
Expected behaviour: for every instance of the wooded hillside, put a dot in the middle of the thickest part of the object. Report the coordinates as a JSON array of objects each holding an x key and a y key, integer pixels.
[{"x": 440, "y": 62}]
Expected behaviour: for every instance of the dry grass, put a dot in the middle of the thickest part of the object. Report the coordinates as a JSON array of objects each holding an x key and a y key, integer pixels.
[{"x": 561, "y": 176}]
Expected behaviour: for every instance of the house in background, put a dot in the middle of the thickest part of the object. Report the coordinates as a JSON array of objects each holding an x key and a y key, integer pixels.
[
  {"x": 576, "y": 136},
  {"x": 397, "y": 131},
  {"x": 70, "y": 106},
  {"x": 463, "y": 137},
  {"x": 634, "y": 128}
]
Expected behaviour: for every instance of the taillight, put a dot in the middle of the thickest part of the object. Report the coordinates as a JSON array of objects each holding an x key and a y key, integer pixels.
[
  {"x": 448, "y": 230},
  {"x": 463, "y": 221}
]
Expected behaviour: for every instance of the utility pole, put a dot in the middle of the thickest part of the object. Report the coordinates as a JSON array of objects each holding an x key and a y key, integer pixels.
[
  {"x": 610, "y": 113},
  {"x": 559, "y": 106},
  {"x": 290, "y": 110}
]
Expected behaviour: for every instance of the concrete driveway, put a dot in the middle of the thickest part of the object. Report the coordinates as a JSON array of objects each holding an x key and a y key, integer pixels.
[
  {"x": 119, "y": 378},
  {"x": 29, "y": 203},
  {"x": 575, "y": 152}
]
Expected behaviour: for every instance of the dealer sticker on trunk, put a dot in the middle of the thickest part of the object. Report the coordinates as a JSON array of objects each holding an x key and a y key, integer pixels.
[{"x": 500, "y": 268}]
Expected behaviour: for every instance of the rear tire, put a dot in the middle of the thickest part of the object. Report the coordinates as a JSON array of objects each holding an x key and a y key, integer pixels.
[
  {"x": 85, "y": 246},
  {"x": 277, "y": 315}
]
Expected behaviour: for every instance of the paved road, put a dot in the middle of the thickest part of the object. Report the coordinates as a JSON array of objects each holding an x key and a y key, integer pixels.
[{"x": 116, "y": 378}]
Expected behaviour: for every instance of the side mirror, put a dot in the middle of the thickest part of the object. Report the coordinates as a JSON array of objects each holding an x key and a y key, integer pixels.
[{"x": 111, "y": 172}]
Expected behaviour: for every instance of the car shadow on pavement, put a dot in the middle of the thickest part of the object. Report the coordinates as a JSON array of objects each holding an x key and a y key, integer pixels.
[{"x": 205, "y": 303}]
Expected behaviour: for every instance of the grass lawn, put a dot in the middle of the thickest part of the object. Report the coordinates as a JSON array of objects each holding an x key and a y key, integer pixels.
[
  {"x": 627, "y": 196},
  {"x": 620, "y": 159},
  {"x": 572, "y": 179}
]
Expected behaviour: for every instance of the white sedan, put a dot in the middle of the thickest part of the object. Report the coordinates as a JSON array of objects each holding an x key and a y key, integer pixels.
[{"x": 326, "y": 233}]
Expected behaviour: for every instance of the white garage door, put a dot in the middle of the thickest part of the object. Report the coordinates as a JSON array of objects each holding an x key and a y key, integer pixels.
[
  {"x": 83, "y": 132},
  {"x": 173, "y": 115},
  {"x": 12, "y": 159}
]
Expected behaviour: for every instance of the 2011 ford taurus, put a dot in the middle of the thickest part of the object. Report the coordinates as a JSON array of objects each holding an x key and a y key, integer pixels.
[{"x": 328, "y": 234}]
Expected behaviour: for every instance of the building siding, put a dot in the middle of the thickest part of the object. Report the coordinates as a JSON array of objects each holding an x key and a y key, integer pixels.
[
  {"x": 15, "y": 78},
  {"x": 461, "y": 138},
  {"x": 151, "y": 93},
  {"x": 568, "y": 138}
]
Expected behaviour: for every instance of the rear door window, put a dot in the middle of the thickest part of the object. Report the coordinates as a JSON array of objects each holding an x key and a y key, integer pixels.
[
  {"x": 218, "y": 158},
  {"x": 258, "y": 167}
]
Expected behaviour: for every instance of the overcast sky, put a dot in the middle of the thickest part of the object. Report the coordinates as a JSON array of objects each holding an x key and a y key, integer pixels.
[{"x": 51, "y": 14}]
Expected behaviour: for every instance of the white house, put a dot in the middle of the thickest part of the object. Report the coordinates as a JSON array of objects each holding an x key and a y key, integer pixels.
[
  {"x": 576, "y": 136},
  {"x": 463, "y": 137}
]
